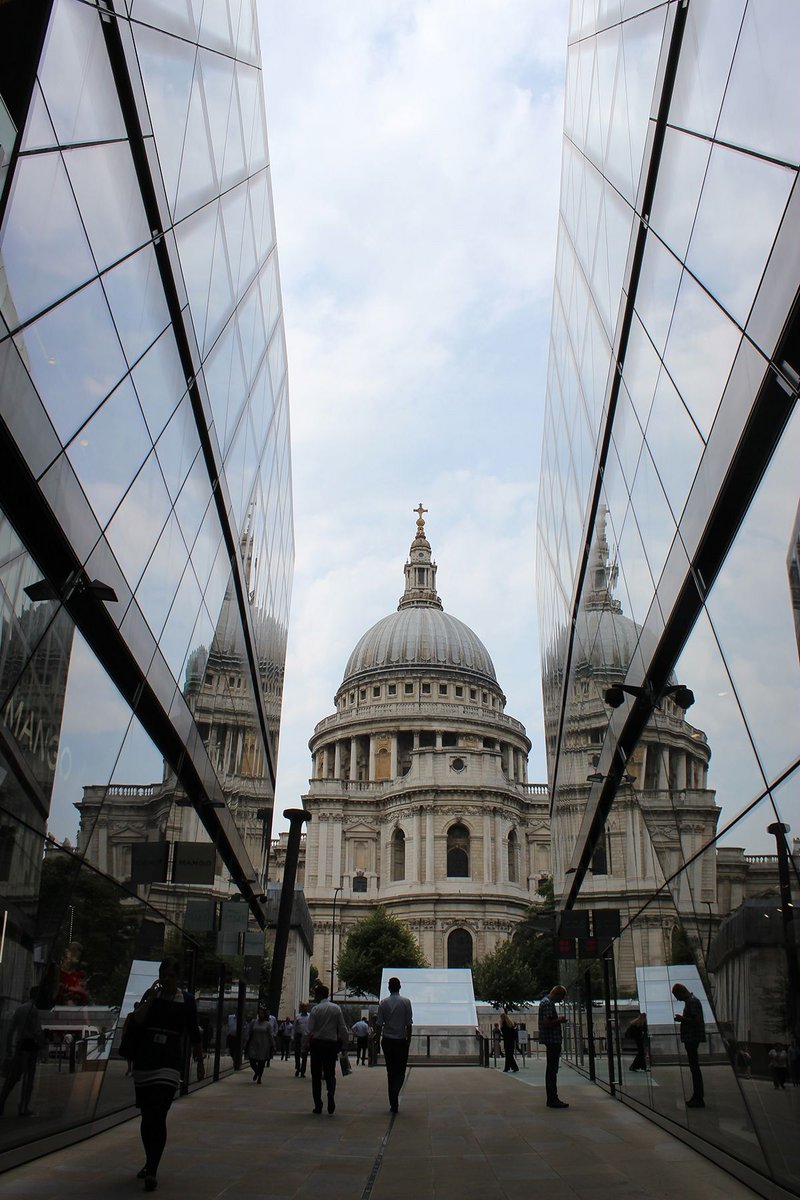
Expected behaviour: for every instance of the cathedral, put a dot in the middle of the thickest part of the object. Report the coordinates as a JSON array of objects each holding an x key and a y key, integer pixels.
[{"x": 419, "y": 791}]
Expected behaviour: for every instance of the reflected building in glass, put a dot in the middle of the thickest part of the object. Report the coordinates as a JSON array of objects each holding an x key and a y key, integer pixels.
[
  {"x": 146, "y": 541},
  {"x": 667, "y": 553}
]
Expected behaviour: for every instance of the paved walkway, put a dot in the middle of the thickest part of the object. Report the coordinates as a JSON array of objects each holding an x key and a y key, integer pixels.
[{"x": 461, "y": 1133}]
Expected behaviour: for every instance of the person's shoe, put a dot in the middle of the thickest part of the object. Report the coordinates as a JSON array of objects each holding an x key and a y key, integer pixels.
[
  {"x": 259, "y": 1079},
  {"x": 331, "y": 1105},
  {"x": 296, "y": 1074},
  {"x": 316, "y": 1110},
  {"x": 150, "y": 1183},
  {"x": 394, "y": 1108},
  {"x": 557, "y": 1104},
  {"x": 142, "y": 1174},
  {"x": 695, "y": 1103}
]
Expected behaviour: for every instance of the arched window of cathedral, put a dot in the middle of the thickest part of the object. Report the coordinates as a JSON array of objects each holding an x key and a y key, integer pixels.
[
  {"x": 601, "y": 859},
  {"x": 513, "y": 857},
  {"x": 458, "y": 851},
  {"x": 398, "y": 855},
  {"x": 459, "y": 950}
]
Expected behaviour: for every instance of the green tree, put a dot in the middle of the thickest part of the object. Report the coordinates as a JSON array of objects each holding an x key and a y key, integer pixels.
[
  {"x": 379, "y": 940},
  {"x": 535, "y": 947},
  {"x": 503, "y": 978}
]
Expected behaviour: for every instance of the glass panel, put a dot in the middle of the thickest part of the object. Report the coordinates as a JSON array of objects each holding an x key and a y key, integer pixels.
[
  {"x": 709, "y": 41},
  {"x": 39, "y": 133},
  {"x": 162, "y": 575},
  {"x": 197, "y": 182},
  {"x": 684, "y": 161},
  {"x": 195, "y": 237},
  {"x": 224, "y": 376},
  {"x": 741, "y": 193},
  {"x": 76, "y": 77},
  {"x": 178, "y": 447},
  {"x": 74, "y": 358},
  {"x": 755, "y": 610},
  {"x": 167, "y": 66},
  {"x": 137, "y": 523},
  {"x": 45, "y": 251},
  {"x": 160, "y": 382},
  {"x": 105, "y": 458},
  {"x": 700, "y": 351},
  {"x": 136, "y": 297},
  {"x": 763, "y": 91},
  {"x": 173, "y": 16},
  {"x": 109, "y": 200}
]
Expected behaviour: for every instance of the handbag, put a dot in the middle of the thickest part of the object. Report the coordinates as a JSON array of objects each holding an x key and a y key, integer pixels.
[{"x": 344, "y": 1063}]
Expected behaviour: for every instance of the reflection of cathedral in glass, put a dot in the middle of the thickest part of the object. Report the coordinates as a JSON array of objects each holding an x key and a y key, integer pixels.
[
  {"x": 217, "y": 692},
  {"x": 664, "y": 813}
]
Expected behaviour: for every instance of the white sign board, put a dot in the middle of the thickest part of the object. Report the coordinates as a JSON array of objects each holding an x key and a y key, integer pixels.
[{"x": 440, "y": 999}]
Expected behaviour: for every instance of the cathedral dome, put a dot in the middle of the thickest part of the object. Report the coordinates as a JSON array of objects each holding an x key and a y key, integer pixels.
[
  {"x": 419, "y": 637},
  {"x": 420, "y": 634}
]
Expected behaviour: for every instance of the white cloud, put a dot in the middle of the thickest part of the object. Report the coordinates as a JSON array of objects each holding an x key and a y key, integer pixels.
[{"x": 415, "y": 155}]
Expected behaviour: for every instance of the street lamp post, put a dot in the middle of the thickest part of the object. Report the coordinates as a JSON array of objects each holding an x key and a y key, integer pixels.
[
  {"x": 779, "y": 831},
  {"x": 333, "y": 934}
]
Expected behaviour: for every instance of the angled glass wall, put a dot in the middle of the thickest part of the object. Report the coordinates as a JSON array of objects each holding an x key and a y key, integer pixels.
[
  {"x": 146, "y": 540},
  {"x": 668, "y": 562}
]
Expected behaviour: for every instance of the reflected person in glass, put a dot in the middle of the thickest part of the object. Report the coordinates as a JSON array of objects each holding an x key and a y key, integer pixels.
[{"x": 693, "y": 1032}]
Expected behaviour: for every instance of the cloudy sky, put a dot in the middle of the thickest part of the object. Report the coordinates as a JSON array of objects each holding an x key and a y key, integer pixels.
[{"x": 415, "y": 154}]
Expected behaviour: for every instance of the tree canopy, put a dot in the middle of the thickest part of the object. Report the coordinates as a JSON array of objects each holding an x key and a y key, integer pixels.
[
  {"x": 379, "y": 940},
  {"x": 536, "y": 947},
  {"x": 503, "y": 978}
]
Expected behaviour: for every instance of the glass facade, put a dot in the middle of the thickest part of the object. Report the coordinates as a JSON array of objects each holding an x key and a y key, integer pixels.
[
  {"x": 146, "y": 539},
  {"x": 669, "y": 563}
]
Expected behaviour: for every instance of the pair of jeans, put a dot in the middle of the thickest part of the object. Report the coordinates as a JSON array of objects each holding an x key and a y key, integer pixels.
[
  {"x": 553, "y": 1052},
  {"x": 323, "y": 1063},
  {"x": 300, "y": 1055},
  {"x": 395, "y": 1055}
]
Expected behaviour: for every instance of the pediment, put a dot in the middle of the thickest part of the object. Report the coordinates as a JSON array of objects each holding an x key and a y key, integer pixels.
[{"x": 358, "y": 828}]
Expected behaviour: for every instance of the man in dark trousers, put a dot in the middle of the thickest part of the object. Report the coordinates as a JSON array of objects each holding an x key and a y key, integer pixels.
[
  {"x": 394, "y": 1021},
  {"x": 327, "y": 1036},
  {"x": 550, "y": 1037},
  {"x": 693, "y": 1032}
]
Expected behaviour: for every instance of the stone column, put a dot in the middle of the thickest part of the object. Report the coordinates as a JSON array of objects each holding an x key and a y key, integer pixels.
[
  {"x": 488, "y": 874},
  {"x": 502, "y": 872},
  {"x": 393, "y": 760},
  {"x": 326, "y": 761},
  {"x": 680, "y": 771},
  {"x": 337, "y": 866},
  {"x": 337, "y": 760},
  {"x": 510, "y": 763},
  {"x": 354, "y": 758},
  {"x": 438, "y": 739},
  {"x": 371, "y": 772},
  {"x": 416, "y": 844},
  {"x": 430, "y": 847},
  {"x": 322, "y": 866},
  {"x": 663, "y": 769},
  {"x": 416, "y": 739}
]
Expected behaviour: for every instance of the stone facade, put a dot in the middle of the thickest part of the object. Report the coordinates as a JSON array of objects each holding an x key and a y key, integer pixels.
[{"x": 420, "y": 796}]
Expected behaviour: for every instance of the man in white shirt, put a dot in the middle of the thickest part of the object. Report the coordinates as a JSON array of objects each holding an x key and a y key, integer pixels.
[
  {"x": 361, "y": 1031},
  {"x": 328, "y": 1034},
  {"x": 301, "y": 1041},
  {"x": 395, "y": 1020}
]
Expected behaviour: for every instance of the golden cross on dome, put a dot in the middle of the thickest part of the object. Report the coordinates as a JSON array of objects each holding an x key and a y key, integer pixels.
[{"x": 420, "y": 522}]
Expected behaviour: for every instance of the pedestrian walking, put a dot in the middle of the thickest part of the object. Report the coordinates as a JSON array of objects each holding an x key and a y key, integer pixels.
[
  {"x": 165, "y": 1018},
  {"x": 693, "y": 1032},
  {"x": 793, "y": 1058},
  {"x": 25, "y": 1041},
  {"x": 361, "y": 1032},
  {"x": 508, "y": 1032},
  {"x": 550, "y": 1036},
  {"x": 259, "y": 1042},
  {"x": 637, "y": 1032},
  {"x": 327, "y": 1033},
  {"x": 779, "y": 1066},
  {"x": 301, "y": 1041},
  {"x": 395, "y": 1021}
]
